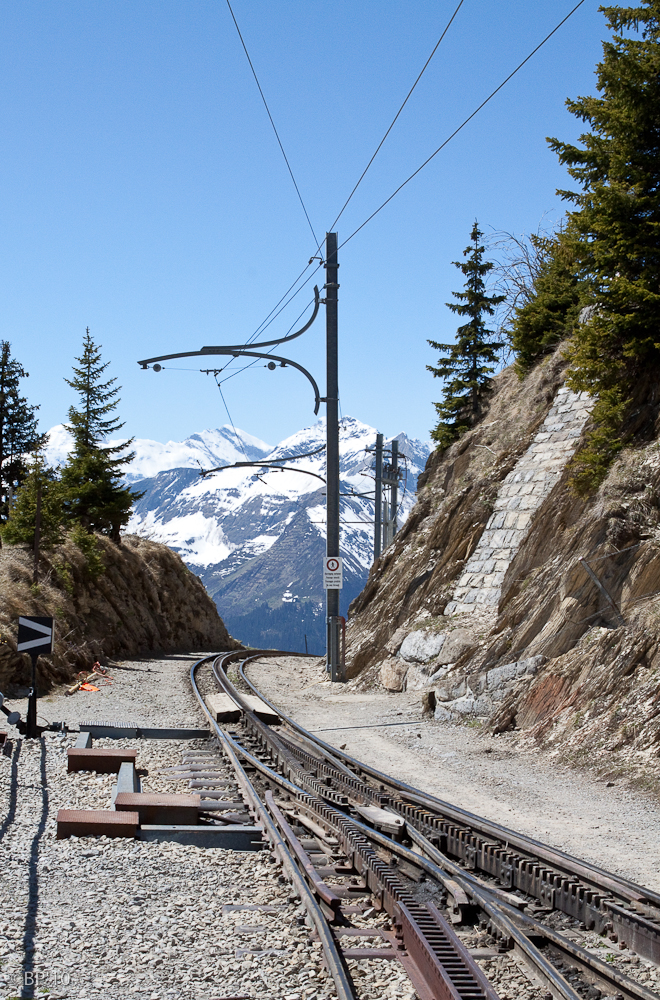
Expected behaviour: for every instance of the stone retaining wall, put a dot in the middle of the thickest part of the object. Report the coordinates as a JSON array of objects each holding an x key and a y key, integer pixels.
[{"x": 521, "y": 494}]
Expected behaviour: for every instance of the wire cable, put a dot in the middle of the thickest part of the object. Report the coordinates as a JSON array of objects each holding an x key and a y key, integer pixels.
[
  {"x": 270, "y": 318},
  {"x": 267, "y": 321},
  {"x": 264, "y": 323},
  {"x": 462, "y": 125},
  {"x": 277, "y": 135},
  {"x": 270, "y": 351},
  {"x": 282, "y": 304},
  {"x": 394, "y": 120},
  {"x": 362, "y": 175},
  {"x": 233, "y": 427}
]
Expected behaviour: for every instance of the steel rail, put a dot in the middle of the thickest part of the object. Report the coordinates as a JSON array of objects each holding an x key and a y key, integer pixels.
[
  {"x": 336, "y": 963},
  {"x": 540, "y": 968},
  {"x": 445, "y": 965},
  {"x": 495, "y": 903},
  {"x": 639, "y": 926},
  {"x": 492, "y": 902},
  {"x": 578, "y": 899},
  {"x": 604, "y": 973},
  {"x": 475, "y": 887}
]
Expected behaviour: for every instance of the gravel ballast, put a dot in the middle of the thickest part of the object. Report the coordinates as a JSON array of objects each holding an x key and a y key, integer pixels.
[{"x": 103, "y": 918}]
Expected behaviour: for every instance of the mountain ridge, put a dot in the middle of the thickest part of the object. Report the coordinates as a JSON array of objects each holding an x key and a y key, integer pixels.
[
  {"x": 256, "y": 536},
  {"x": 203, "y": 449}
]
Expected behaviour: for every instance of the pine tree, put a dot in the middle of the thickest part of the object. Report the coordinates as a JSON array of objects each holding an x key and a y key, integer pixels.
[
  {"x": 18, "y": 428},
  {"x": 470, "y": 362},
  {"x": 21, "y": 525},
  {"x": 614, "y": 231},
  {"x": 92, "y": 474}
]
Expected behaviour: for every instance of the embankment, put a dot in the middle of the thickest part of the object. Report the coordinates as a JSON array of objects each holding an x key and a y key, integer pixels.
[{"x": 124, "y": 600}]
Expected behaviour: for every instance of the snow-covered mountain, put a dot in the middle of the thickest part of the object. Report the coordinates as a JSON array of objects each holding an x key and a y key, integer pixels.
[
  {"x": 256, "y": 536},
  {"x": 204, "y": 450}
]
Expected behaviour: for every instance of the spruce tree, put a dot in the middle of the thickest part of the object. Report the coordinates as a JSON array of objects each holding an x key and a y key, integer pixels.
[
  {"x": 614, "y": 231},
  {"x": 551, "y": 312},
  {"x": 18, "y": 428},
  {"x": 92, "y": 476},
  {"x": 20, "y": 527},
  {"x": 472, "y": 359}
]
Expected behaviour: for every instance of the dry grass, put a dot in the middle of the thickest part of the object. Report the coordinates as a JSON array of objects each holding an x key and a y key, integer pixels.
[{"x": 145, "y": 600}]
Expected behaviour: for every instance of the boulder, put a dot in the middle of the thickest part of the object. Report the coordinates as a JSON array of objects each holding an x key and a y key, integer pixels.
[
  {"x": 451, "y": 691},
  {"x": 439, "y": 673},
  {"x": 471, "y": 705},
  {"x": 420, "y": 647},
  {"x": 468, "y": 704},
  {"x": 417, "y": 678},
  {"x": 440, "y": 647},
  {"x": 456, "y": 642},
  {"x": 442, "y": 714},
  {"x": 392, "y": 674}
]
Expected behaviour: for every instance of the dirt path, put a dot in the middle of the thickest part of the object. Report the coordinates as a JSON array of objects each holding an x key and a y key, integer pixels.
[{"x": 607, "y": 824}]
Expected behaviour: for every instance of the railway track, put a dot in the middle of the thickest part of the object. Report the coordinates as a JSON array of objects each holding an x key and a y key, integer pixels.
[{"x": 387, "y": 873}]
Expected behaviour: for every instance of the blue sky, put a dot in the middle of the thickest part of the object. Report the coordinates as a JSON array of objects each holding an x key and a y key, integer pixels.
[{"x": 144, "y": 194}]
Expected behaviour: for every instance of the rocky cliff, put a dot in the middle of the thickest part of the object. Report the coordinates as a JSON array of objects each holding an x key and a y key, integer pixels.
[
  {"x": 135, "y": 598},
  {"x": 508, "y": 601}
]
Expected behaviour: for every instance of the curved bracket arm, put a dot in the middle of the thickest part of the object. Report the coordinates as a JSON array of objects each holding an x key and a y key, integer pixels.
[
  {"x": 293, "y": 458},
  {"x": 259, "y": 465},
  {"x": 292, "y": 336},
  {"x": 239, "y": 353}
]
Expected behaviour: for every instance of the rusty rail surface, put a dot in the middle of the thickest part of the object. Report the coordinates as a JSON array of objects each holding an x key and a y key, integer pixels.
[
  {"x": 601, "y": 900},
  {"x": 329, "y": 789},
  {"x": 334, "y": 960}
]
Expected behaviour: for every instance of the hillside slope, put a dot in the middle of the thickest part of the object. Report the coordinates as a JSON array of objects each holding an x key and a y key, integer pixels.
[
  {"x": 507, "y": 599},
  {"x": 145, "y": 600}
]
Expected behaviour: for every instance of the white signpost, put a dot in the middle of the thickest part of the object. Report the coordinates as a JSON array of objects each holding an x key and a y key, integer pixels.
[{"x": 333, "y": 573}]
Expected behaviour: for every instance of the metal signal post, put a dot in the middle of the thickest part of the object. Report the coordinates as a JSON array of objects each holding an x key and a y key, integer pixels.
[
  {"x": 378, "y": 515},
  {"x": 333, "y": 662},
  {"x": 331, "y": 399},
  {"x": 386, "y": 481}
]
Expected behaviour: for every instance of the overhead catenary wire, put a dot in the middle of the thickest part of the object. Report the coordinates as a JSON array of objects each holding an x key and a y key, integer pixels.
[
  {"x": 270, "y": 351},
  {"x": 233, "y": 426},
  {"x": 267, "y": 321},
  {"x": 270, "y": 117},
  {"x": 461, "y": 126},
  {"x": 394, "y": 120},
  {"x": 284, "y": 301}
]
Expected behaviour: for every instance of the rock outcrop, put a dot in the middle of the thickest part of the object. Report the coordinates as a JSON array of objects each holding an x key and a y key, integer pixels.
[
  {"x": 144, "y": 600},
  {"x": 507, "y": 599}
]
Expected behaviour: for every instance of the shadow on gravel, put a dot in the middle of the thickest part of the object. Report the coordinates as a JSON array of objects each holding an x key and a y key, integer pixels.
[
  {"x": 13, "y": 791},
  {"x": 33, "y": 887},
  {"x": 132, "y": 670}
]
